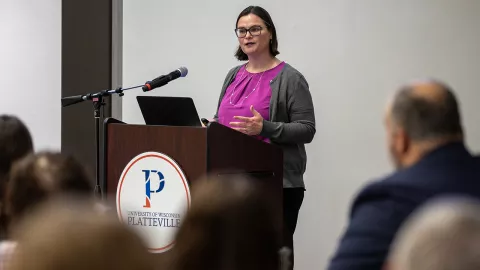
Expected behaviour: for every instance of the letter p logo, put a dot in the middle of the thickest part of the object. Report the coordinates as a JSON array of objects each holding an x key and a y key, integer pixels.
[{"x": 148, "y": 191}]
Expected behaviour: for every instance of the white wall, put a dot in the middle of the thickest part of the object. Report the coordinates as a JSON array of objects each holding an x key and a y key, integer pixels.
[
  {"x": 353, "y": 53},
  {"x": 30, "y": 67}
]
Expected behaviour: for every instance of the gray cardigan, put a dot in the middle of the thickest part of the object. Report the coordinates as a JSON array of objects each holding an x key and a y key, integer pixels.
[{"x": 292, "y": 120}]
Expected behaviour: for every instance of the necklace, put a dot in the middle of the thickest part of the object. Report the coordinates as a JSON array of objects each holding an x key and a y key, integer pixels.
[{"x": 235, "y": 87}]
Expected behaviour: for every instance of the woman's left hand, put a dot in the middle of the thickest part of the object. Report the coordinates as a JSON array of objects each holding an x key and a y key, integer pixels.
[{"x": 249, "y": 125}]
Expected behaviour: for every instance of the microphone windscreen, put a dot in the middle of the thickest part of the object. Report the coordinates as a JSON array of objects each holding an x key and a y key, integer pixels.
[{"x": 183, "y": 71}]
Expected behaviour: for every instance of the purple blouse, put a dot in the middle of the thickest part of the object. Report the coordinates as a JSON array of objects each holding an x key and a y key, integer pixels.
[{"x": 245, "y": 90}]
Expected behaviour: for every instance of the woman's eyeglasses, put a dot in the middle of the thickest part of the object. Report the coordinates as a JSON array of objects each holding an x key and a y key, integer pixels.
[{"x": 254, "y": 31}]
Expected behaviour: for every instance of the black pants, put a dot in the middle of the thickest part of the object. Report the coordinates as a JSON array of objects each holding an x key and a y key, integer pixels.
[{"x": 292, "y": 201}]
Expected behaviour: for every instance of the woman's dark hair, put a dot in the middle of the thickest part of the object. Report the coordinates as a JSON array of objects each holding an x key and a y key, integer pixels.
[
  {"x": 15, "y": 143},
  {"x": 263, "y": 14},
  {"x": 41, "y": 176}
]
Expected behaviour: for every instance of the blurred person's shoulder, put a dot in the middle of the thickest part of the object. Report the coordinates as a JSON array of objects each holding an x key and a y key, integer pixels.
[{"x": 391, "y": 189}]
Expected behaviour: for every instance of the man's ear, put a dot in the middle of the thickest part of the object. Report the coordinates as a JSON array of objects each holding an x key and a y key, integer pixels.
[{"x": 402, "y": 140}]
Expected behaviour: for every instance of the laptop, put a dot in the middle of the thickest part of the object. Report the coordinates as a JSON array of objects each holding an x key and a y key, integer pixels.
[{"x": 169, "y": 111}]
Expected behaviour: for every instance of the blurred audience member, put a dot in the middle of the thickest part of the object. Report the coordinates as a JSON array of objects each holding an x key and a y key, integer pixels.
[
  {"x": 63, "y": 235},
  {"x": 33, "y": 180},
  {"x": 40, "y": 176},
  {"x": 425, "y": 138},
  {"x": 15, "y": 143},
  {"x": 441, "y": 236},
  {"x": 230, "y": 226}
]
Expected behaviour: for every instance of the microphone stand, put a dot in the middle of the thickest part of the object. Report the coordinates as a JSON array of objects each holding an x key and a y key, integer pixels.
[{"x": 97, "y": 101}]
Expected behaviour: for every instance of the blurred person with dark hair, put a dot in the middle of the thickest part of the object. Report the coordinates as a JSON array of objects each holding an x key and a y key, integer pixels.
[
  {"x": 426, "y": 142},
  {"x": 15, "y": 143},
  {"x": 442, "y": 235},
  {"x": 69, "y": 234},
  {"x": 40, "y": 176},
  {"x": 35, "y": 179},
  {"x": 230, "y": 226}
]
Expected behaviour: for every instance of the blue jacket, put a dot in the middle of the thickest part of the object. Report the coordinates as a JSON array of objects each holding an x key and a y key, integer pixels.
[{"x": 381, "y": 207}]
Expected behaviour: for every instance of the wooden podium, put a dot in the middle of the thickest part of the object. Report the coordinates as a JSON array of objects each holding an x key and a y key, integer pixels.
[{"x": 199, "y": 151}]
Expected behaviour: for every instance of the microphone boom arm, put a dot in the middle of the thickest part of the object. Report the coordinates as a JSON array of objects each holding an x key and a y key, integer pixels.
[{"x": 71, "y": 100}]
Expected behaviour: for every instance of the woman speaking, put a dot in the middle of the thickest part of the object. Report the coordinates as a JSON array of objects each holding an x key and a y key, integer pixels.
[{"x": 270, "y": 100}]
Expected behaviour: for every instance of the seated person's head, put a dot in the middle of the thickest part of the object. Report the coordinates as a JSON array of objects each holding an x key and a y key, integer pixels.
[
  {"x": 41, "y": 176},
  {"x": 440, "y": 236},
  {"x": 422, "y": 116},
  {"x": 15, "y": 143},
  {"x": 66, "y": 234},
  {"x": 230, "y": 226}
]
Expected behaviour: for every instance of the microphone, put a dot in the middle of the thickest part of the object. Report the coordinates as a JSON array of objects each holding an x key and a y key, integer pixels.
[{"x": 164, "y": 79}]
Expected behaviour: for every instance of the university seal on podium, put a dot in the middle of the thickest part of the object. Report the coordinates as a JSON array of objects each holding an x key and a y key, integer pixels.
[{"x": 152, "y": 197}]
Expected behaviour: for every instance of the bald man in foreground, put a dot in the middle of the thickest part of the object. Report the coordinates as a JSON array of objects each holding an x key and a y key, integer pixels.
[{"x": 425, "y": 139}]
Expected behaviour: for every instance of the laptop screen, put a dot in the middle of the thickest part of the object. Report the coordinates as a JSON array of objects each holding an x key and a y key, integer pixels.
[{"x": 168, "y": 111}]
